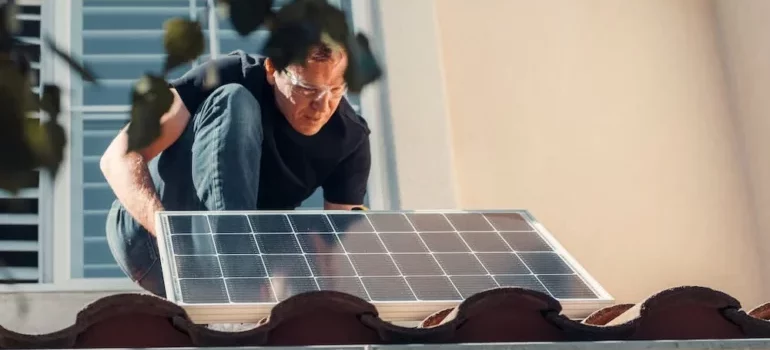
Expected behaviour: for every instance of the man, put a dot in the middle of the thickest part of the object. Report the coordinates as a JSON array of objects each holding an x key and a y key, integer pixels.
[{"x": 258, "y": 140}]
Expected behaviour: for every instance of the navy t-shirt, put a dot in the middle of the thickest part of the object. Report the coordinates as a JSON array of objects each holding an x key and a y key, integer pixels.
[{"x": 293, "y": 166}]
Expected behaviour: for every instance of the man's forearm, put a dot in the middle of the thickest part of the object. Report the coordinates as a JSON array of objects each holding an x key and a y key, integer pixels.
[{"x": 132, "y": 184}]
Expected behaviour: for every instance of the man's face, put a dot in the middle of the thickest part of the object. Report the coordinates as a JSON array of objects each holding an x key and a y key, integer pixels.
[{"x": 308, "y": 96}]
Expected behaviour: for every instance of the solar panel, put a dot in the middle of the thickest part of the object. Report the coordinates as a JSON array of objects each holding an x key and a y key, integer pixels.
[{"x": 234, "y": 266}]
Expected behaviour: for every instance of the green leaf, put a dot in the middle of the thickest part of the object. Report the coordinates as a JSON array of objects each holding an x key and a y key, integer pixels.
[
  {"x": 81, "y": 69},
  {"x": 21, "y": 59},
  {"x": 246, "y": 16},
  {"x": 9, "y": 24},
  {"x": 363, "y": 68},
  {"x": 151, "y": 99},
  {"x": 183, "y": 42},
  {"x": 14, "y": 96},
  {"x": 57, "y": 141},
  {"x": 50, "y": 102},
  {"x": 47, "y": 141},
  {"x": 333, "y": 21},
  {"x": 10, "y": 19}
]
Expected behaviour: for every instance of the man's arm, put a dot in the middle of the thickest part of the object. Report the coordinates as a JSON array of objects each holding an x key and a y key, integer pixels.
[
  {"x": 345, "y": 189},
  {"x": 127, "y": 173}
]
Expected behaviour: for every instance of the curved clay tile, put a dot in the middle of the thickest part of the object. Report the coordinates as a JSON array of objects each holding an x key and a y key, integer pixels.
[
  {"x": 602, "y": 316},
  {"x": 202, "y": 336},
  {"x": 321, "y": 318},
  {"x": 761, "y": 312},
  {"x": 511, "y": 315},
  {"x": 132, "y": 320},
  {"x": 123, "y": 320},
  {"x": 64, "y": 338},
  {"x": 435, "y": 318},
  {"x": 334, "y": 318},
  {"x": 751, "y": 326},
  {"x": 682, "y": 313},
  {"x": 318, "y": 318}
]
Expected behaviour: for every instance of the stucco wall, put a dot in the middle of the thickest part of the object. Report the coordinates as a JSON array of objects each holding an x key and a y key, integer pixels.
[
  {"x": 610, "y": 121},
  {"x": 744, "y": 39}
]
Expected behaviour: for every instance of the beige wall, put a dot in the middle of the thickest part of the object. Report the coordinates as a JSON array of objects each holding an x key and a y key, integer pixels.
[
  {"x": 745, "y": 42},
  {"x": 610, "y": 121}
]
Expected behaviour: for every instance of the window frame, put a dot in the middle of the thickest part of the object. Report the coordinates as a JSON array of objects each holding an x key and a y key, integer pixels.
[{"x": 62, "y": 249}]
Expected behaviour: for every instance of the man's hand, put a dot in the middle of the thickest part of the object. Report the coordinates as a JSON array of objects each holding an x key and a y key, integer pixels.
[{"x": 334, "y": 206}]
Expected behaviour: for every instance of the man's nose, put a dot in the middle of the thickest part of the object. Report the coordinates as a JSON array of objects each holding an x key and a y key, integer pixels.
[{"x": 323, "y": 102}]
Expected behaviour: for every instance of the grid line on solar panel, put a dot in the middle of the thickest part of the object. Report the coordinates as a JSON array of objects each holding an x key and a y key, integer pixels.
[
  {"x": 390, "y": 256},
  {"x": 481, "y": 250},
  {"x": 488, "y": 243},
  {"x": 432, "y": 255},
  {"x": 351, "y": 223},
  {"x": 507, "y": 243},
  {"x": 304, "y": 223},
  {"x": 229, "y": 223},
  {"x": 190, "y": 224},
  {"x": 270, "y": 223},
  {"x": 254, "y": 226},
  {"x": 469, "y": 249},
  {"x": 219, "y": 262},
  {"x": 475, "y": 222},
  {"x": 531, "y": 266},
  {"x": 356, "y": 273},
  {"x": 509, "y": 222},
  {"x": 526, "y": 241},
  {"x": 309, "y": 267}
]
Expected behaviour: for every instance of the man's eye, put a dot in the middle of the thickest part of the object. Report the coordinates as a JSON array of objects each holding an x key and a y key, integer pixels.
[{"x": 306, "y": 91}]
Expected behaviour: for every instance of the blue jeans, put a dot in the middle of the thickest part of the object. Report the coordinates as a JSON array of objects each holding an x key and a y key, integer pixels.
[{"x": 214, "y": 165}]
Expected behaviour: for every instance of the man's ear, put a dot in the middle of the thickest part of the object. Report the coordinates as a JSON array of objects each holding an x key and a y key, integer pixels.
[{"x": 270, "y": 71}]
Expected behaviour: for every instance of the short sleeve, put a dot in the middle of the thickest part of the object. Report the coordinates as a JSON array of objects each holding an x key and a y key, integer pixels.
[
  {"x": 347, "y": 183},
  {"x": 192, "y": 85}
]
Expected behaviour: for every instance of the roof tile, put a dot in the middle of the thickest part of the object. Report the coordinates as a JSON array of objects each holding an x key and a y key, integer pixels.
[
  {"x": 682, "y": 313},
  {"x": 508, "y": 315},
  {"x": 334, "y": 318},
  {"x": 602, "y": 316},
  {"x": 761, "y": 311}
]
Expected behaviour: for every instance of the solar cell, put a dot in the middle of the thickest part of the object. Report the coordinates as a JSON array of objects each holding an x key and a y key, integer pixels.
[{"x": 411, "y": 259}]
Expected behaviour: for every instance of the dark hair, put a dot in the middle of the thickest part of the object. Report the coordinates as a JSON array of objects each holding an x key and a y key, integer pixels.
[
  {"x": 324, "y": 52},
  {"x": 320, "y": 53}
]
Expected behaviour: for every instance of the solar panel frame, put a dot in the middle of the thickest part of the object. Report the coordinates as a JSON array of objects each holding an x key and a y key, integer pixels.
[{"x": 395, "y": 311}]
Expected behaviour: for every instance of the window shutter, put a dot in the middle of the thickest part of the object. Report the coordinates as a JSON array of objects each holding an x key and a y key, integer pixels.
[
  {"x": 19, "y": 229},
  {"x": 122, "y": 39}
]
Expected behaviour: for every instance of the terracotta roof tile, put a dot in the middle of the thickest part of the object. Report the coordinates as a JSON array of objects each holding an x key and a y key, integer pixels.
[
  {"x": 686, "y": 313},
  {"x": 761, "y": 311},
  {"x": 602, "y": 316},
  {"x": 333, "y": 318}
]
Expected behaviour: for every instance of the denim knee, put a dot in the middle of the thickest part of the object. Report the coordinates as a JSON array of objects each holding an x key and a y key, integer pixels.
[
  {"x": 233, "y": 106},
  {"x": 135, "y": 250},
  {"x": 227, "y": 149}
]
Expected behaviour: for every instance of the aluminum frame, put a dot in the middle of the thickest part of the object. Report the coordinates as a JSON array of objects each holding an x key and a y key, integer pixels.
[{"x": 389, "y": 311}]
